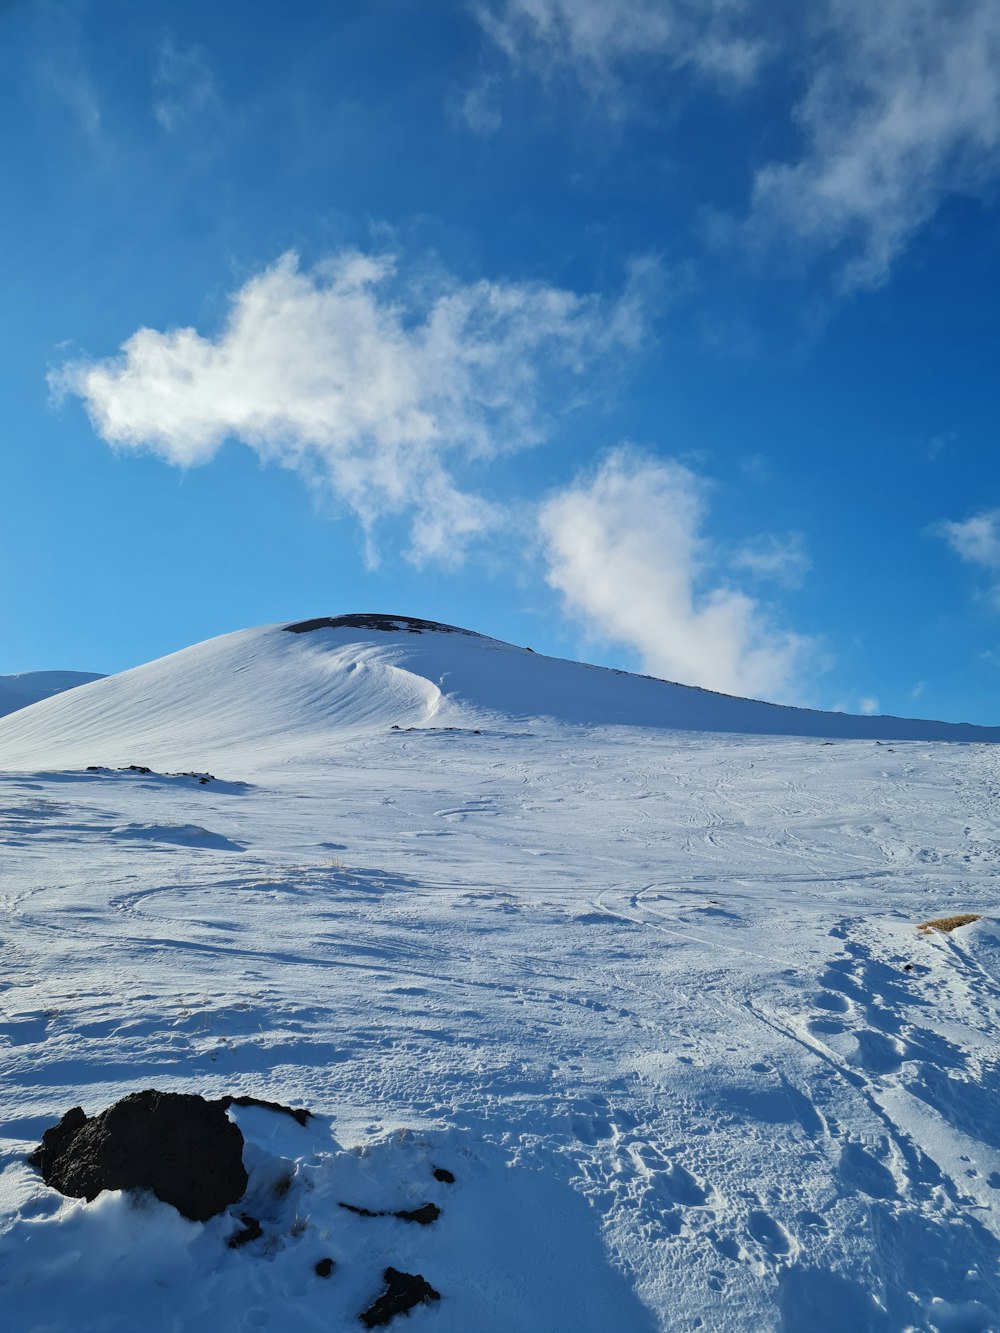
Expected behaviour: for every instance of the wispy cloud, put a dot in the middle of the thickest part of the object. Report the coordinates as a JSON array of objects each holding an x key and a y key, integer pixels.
[
  {"x": 598, "y": 40},
  {"x": 184, "y": 86},
  {"x": 900, "y": 105},
  {"x": 65, "y": 72},
  {"x": 976, "y": 540},
  {"x": 902, "y": 109},
  {"x": 780, "y": 558},
  {"x": 626, "y": 549},
  {"x": 380, "y": 391},
  {"x": 937, "y": 444},
  {"x": 477, "y": 107}
]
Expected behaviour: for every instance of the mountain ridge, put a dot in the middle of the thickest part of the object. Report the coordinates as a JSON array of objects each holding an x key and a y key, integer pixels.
[
  {"x": 297, "y": 690},
  {"x": 27, "y": 687}
]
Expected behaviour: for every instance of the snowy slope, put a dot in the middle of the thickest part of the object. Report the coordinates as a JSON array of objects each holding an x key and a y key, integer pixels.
[
  {"x": 656, "y": 998},
  {"x": 29, "y": 686},
  {"x": 290, "y": 694}
]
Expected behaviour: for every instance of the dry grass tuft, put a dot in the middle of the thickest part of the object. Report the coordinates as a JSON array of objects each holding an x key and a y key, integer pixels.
[{"x": 949, "y": 923}]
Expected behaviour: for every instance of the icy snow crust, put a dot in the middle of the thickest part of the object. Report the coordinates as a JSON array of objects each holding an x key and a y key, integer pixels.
[{"x": 654, "y": 996}]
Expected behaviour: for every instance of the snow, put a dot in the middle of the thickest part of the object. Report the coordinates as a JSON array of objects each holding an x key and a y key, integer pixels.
[
  {"x": 647, "y": 982},
  {"x": 28, "y": 687}
]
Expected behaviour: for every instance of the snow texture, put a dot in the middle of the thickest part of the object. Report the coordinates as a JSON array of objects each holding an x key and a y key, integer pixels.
[
  {"x": 29, "y": 686},
  {"x": 637, "y": 964}
]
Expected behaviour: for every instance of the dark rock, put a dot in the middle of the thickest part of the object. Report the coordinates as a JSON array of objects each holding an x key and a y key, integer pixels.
[
  {"x": 298, "y": 1113},
  {"x": 324, "y": 1268},
  {"x": 405, "y": 1290},
  {"x": 56, "y": 1139},
  {"x": 445, "y": 1176},
  {"x": 361, "y": 1212},
  {"x": 423, "y": 1216},
  {"x": 388, "y": 624},
  {"x": 182, "y": 1147},
  {"x": 252, "y": 1230}
]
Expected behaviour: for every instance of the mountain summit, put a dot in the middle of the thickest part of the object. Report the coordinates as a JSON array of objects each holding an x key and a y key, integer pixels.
[{"x": 289, "y": 692}]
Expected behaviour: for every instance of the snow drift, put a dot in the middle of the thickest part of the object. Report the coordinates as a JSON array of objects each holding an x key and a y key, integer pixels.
[{"x": 293, "y": 692}]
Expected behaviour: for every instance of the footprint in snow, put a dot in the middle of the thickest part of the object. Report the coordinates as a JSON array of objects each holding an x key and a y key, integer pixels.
[
  {"x": 769, "y": 1234},
  {"x": 878, "y": 1053},
  {"x": 859, "y": 1170}
]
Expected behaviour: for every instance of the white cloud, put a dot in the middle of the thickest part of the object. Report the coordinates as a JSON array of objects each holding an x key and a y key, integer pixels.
[
  {"x": 379, "y": 391},
  {"x": 597, "y": 39},
  {"x": 868, "y": 706},
  {"x": 184, "y": 85},
  {"x": 902, "y": 109},
  {"x": 975, "y": 540},
  {"x": 782, "y": 559},
  {"x": 625, "y": 547},
  {"x": 918, "y": 689}
]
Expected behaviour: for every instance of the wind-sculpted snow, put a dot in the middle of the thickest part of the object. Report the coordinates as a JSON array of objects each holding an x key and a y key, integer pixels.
[
  {"x": 656, "y": 999},
  {"x": 266, "y": 697}
]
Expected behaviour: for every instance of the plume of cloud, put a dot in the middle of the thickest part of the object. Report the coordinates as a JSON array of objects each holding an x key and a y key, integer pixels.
[
  {"x": 625, "y": 548},
  {"x": 595, "y": 39},
  {"x": 380, "y": 392},
  {"x": 902, "y": 109}
]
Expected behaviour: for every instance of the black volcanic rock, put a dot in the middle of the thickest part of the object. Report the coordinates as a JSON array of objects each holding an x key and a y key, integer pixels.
[
  {"x": 252, "y": 1230},
  {"x": 405, "y": 1290},
  {"x": 298, "y": 1113},
  {"x": 182, "y": 1147},
  {"x": 423, "y": 1216},
  {"x": 365, "y": 620},
  {"x": 55, "y": 1141}
]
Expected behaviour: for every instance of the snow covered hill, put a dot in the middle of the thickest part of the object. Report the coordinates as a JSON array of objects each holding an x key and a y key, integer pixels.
[
  {"x": 646, "y": 980},
  {"x": 286, "y": 693},
  {"x": 29, "y": 686}
]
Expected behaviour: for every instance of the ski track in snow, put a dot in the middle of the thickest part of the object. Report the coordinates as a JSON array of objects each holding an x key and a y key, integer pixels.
[{"x": 657, "y": 999}]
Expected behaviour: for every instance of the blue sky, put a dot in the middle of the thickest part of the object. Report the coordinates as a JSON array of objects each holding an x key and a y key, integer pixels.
[{"x": 659, "y": 334}]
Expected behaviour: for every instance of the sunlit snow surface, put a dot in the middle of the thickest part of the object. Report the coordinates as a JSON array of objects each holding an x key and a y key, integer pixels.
[{"x": 656, "y": 998}]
